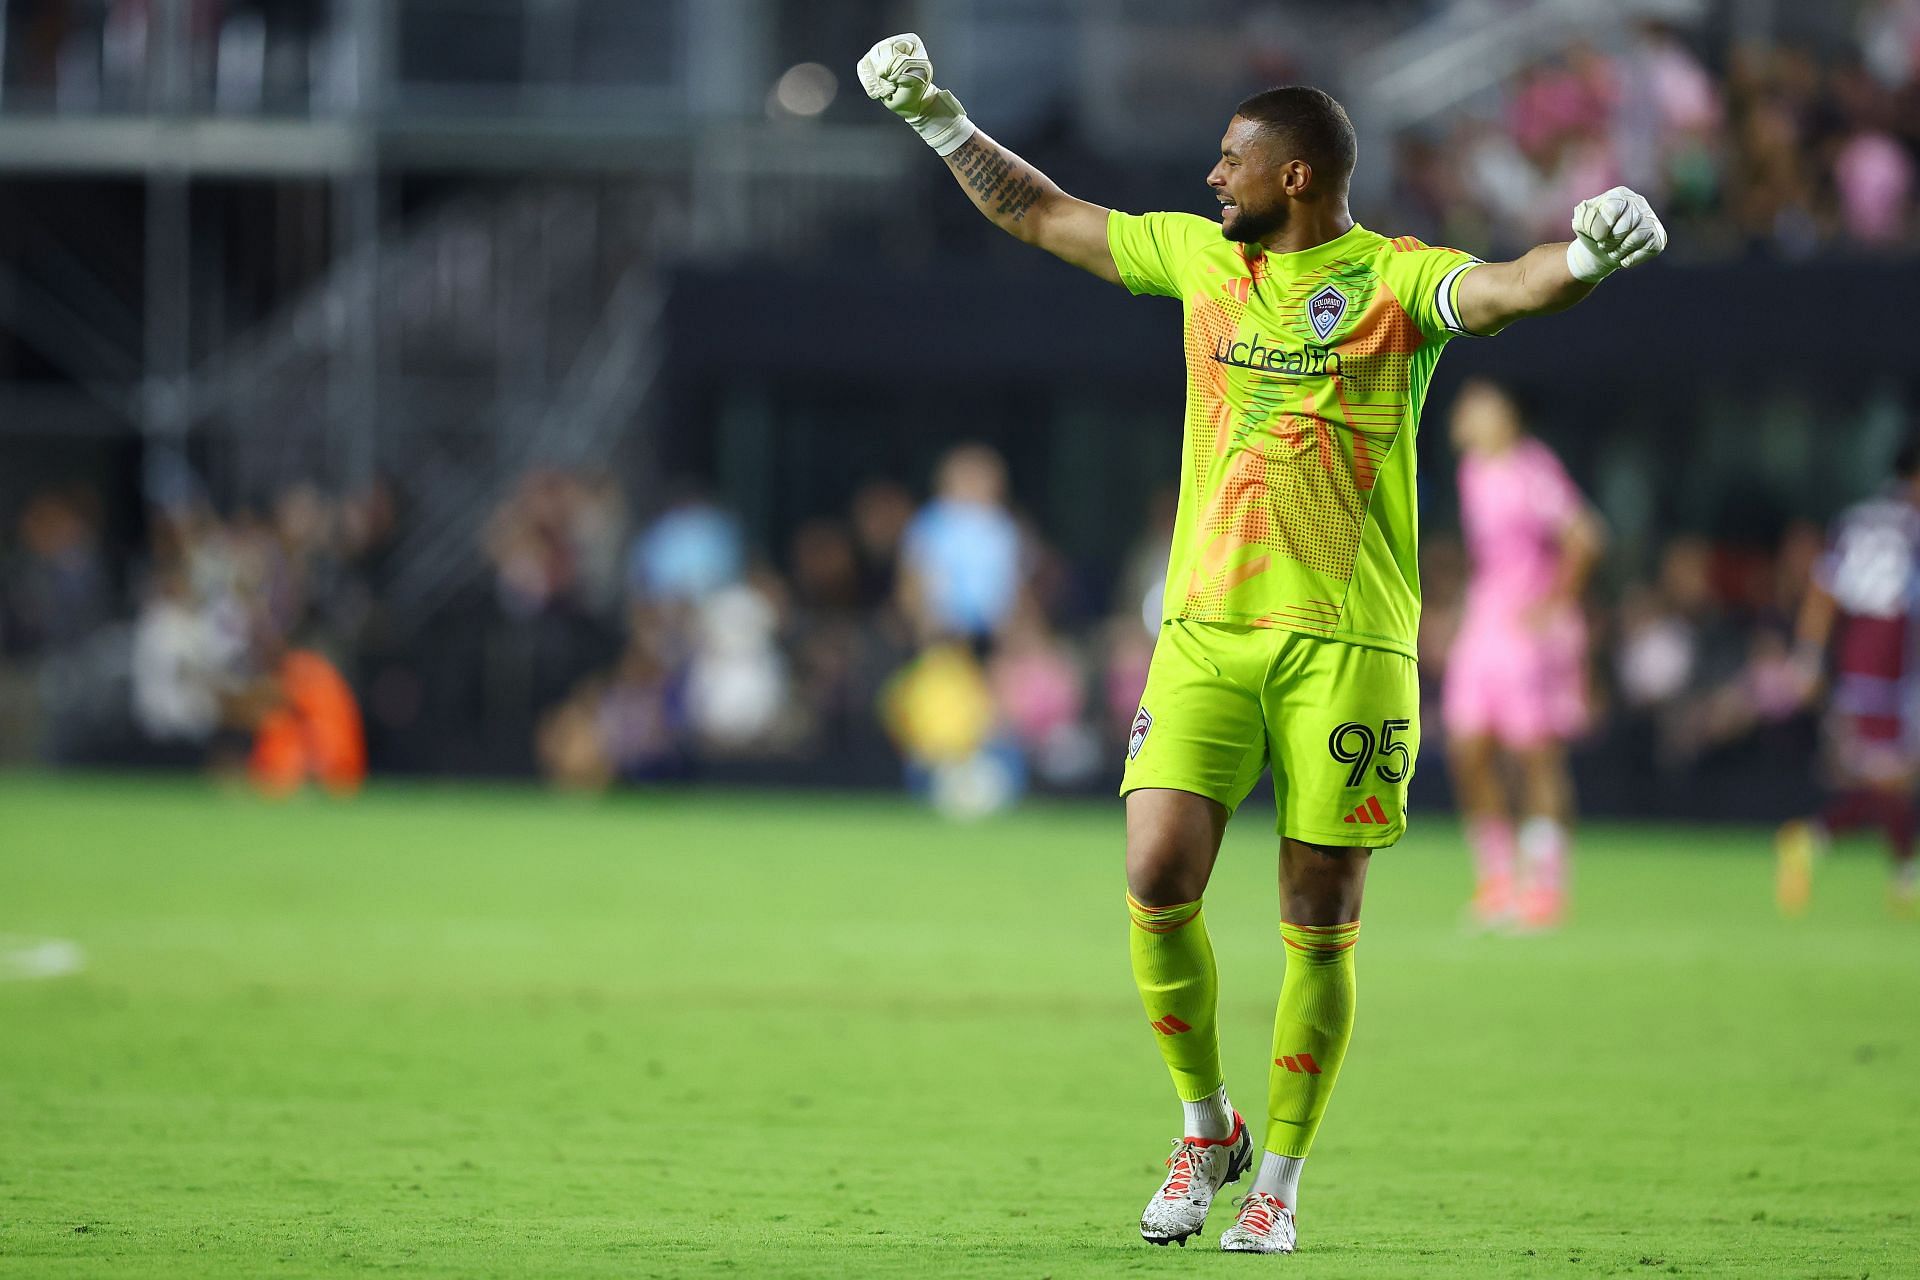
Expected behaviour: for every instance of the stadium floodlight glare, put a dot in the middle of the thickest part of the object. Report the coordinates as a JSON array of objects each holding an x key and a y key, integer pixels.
[{"x": 806, "y": 89}]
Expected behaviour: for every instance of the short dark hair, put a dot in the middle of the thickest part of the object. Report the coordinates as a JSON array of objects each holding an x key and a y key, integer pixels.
[{"x": 1313, "y": 126}]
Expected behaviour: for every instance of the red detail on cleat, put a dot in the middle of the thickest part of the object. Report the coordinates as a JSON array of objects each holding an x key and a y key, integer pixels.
[
  {"x": 1259, "y": 1212},
  {"x": 1180, "y": 1180},
  {"x": 1181, "y": 1163},
  {"x": 1239, "y": 1127}
]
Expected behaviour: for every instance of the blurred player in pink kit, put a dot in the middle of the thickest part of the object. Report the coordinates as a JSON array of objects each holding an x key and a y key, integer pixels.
[
  {"x": 1515, "y": 690},
  {"x": 1861, "y": 620}
]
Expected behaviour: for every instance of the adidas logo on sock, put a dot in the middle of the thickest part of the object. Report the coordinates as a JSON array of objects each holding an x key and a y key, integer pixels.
[
  {"x": 1168, "y": 1025},
  {"x": 1370, "y": 812}
]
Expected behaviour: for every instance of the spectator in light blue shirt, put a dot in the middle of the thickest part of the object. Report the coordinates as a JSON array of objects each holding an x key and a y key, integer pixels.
[
  {"x": 961, "y": 554},
  {"x": 691, "y": 551}
]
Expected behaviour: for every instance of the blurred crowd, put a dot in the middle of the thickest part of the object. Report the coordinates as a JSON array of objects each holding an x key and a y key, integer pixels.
[
  {"x": 210, "y": 646},
  {"x": 1716, "y": 131},
  {"x": 1781, "y": 148},
  {"x": 935, "y": 638},
  {"x": 925, "y": 634}
]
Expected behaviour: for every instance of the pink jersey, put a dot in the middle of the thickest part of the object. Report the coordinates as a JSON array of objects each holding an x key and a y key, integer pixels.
[
  {"x": 1516, "y": 673},
  {"x": 1514, "y": 507}
]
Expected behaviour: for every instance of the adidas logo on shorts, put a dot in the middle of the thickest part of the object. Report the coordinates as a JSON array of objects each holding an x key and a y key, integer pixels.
[{"x": 1370, "y": 812}]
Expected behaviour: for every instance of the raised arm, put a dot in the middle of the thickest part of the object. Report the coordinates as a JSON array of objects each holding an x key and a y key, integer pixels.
[
  {"x": 1025, "y": 203},
  {"x": 1012, "y": 194},
  {"x": 1613, "y": 230}
]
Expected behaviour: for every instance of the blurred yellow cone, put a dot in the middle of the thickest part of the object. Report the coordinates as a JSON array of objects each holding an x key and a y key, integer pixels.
[{"x": 1793, "y": 868}]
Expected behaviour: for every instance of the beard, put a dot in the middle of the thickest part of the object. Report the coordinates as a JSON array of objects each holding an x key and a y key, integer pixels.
[{"x": 1249, "y": 225}]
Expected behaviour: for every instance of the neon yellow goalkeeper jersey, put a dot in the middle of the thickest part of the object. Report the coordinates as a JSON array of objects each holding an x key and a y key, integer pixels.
[{"x": 1305, "y": 377}]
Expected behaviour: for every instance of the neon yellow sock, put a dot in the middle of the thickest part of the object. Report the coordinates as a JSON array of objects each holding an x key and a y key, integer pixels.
[
  {"x": 1310, "y": 1032},
  {"x": 1173, "y": 967}
]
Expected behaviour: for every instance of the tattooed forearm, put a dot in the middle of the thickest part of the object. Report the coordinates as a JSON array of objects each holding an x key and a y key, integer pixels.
[
  {"x": 1001, "y": 183},
  {"x": 1027, "y": 205}
]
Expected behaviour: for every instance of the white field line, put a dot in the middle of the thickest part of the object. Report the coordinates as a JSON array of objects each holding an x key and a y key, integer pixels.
[{"x": 28, "y": 959}]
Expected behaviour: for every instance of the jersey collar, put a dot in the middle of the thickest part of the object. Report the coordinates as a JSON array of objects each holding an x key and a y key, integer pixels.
[{"x": 1325, "y": 251}]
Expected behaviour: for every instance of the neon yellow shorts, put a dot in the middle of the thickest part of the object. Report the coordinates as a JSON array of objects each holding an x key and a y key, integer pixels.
[{"x": 1340, "y": 723}]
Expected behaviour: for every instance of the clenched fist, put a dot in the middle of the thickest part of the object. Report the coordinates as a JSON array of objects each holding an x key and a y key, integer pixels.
[
  {"x": 898, "y": 73},
  {"x": 1614, "y": 229}
]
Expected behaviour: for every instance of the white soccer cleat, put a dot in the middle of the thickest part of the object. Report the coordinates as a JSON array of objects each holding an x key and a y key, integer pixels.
[
  {"x": 1264, "y": 1226},
  {"x": 1196, "y": 1171}
]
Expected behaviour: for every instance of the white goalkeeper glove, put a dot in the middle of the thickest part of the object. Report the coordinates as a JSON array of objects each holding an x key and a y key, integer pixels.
[
  {"x": 1614, "y": 229},
  {"x": 898, "y": 72}
]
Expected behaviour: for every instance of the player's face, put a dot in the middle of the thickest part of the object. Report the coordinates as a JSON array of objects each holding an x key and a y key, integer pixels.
[{"x": 1249, "y": 184}]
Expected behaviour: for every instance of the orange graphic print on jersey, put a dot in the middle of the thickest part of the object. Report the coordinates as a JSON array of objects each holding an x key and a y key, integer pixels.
[{"x": 1305, "y": 375}]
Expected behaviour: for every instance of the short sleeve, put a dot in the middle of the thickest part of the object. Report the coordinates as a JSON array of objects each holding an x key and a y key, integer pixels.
[
  {"x": 1426, "y": 279},
  {"x": 1556, "y": 499},
  {"x": 1154, "y": 251}
]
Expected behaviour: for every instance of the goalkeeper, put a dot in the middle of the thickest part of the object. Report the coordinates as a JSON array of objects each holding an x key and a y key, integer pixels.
[{"x": 1293, "y": 592}]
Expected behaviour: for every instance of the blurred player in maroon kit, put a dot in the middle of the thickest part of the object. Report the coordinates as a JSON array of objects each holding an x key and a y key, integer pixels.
[{"x": 1862, "y": 617}]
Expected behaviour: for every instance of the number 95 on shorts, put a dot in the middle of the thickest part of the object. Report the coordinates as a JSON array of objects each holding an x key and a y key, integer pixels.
[{"x": 1339, "y": 723}]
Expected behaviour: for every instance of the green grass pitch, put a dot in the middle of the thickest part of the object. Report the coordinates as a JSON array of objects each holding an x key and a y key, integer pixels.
[{"x": 476, "y": 1031}]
